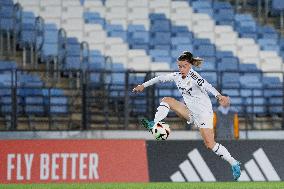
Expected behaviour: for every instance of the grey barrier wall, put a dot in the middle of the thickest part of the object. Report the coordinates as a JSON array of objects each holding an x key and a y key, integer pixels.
[{"x": 189, "y": 161}]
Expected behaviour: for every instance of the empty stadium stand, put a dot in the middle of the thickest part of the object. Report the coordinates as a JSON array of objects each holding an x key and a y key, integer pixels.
[{"x": 98, "y": 50}]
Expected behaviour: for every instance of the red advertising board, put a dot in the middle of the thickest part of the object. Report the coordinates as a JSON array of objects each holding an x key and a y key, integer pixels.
[{"x": 42, "y": 161}]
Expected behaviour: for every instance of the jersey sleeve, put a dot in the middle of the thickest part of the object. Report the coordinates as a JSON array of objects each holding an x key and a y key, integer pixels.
[
  {"x": 158, "y": 79},
  {"x": 204, "y": 85}
]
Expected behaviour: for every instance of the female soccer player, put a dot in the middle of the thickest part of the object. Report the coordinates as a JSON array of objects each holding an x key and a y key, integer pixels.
[{"x": 197, "y": 107}]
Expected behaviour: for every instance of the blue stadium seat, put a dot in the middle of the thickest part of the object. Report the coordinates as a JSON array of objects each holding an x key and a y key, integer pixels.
[
  {"x": 28, "y": 30},
  {"x": 161, "y": 46},
  {"x": 209, "y": 64},
  {"x": 121, "y": 34},
  {"x": 277, "y": 5},
  {"x": 117, "y": 67},
  {"x": 140, "y": 37},
  {"x": 29, "y": 94},
  {"x": 93, "y": 18},
  {"x": 271, "y": 82},
  {"x": 231, "y": 80},
  {"x": 272, "y": 92},
  {"x": 227, "y": 60},
  {"x": 248, "y": 67},
  {"x": 6, "y": 79},
  {"x": 50, "y": 45},
  {"x": 180, "y": 48},
  {"x": 118, "y": 79},
  {"x": 224, "y": 16},
  {"x": 73, "y": 62},
  {"x": 6, "y": 2},
  {"x": 73, "y": 51},
  {"x": 29, "y": 98},
  {"x": 5, "y": 97},
  {"x": 6, "y": 24},
  {"x": 237, "y": 103},
  {"x": 28, "y": 80},
  {"x": 183, "y": 34},
  {"x": 243, "y": 17},
  {"x": 97, "y": 61},
  {"x": 7, "y": 11},
  {"x": 7, "y": 65},
  {"x": 267, "y": 32},
  {"x": 231, "y": 92},
  {"x": 227, "y": 66},
  {"x": 57, "y": 100},
  {"x": 135, "y": 28},
  {"x": 199, "y": 41},
  {"x": 204, "y": 50},
  {"x": 210, "y": 77},
  {"x": 163, "y": 92},
  {"x": 95, "y": 79},
  {"x": 158, "y": 52},
  {"x": 181, "y": 40},
  {"x": 6, "y": 105},
  {"x": 268, "y": 44},
  {"x": 34, "y": 101},
  {"x": 248, "y": 91},
  {"x": 167, "y": 59},
  {"x": 256, "y": 105},
  {"x": 251, "y": 81},
  {"x": 208, "y": 11},
  {"x": 136, "y": 79},
  {"x": 179, "y": 29},
  {"x": 7, "y": 17},
  {"x": 160, "y": 38},
  {"x": 222, "y": 5},
  {"x": 201, "y": 4},
  {"x": 221, "y": 54},
  {"x": 116, "y": 31},
  {"x": 160, "y": 26},
  {"x": 275, "y": 104}
]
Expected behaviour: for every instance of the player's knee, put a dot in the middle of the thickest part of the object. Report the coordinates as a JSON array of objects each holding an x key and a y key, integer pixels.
[
  {"x": 168, "y": 100},
  {"x": 209, "y": 144}
]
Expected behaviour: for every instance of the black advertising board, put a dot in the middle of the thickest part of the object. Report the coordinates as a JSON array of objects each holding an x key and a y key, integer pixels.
[{"x": 188, "y": 161}]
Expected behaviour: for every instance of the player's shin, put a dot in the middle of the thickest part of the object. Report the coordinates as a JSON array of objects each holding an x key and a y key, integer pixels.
[
  {"x": 162, "y": 112},
  {"x": 221, "y": 151}
]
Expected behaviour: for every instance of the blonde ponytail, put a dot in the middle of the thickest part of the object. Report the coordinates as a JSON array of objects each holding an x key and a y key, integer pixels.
[
  {"x": 187, "y": 56},
  {"x": 197, "y": 62}
]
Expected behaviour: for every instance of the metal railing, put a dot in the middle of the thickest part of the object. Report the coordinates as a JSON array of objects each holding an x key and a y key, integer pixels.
[{"x": 103, "y": 100}]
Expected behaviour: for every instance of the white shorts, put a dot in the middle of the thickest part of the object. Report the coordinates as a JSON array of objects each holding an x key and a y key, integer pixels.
[{"x": 204, "y": 120}]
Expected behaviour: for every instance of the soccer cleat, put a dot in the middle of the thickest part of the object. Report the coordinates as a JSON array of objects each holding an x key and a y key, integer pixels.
[
  {"x": 236, "y": 168},
  {"x": 147, "y": 124}
]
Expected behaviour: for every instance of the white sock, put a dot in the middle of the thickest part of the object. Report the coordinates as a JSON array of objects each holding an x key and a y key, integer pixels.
[
  {"x": 162, "y": 112},
  {"x": 223, "y": 153}
]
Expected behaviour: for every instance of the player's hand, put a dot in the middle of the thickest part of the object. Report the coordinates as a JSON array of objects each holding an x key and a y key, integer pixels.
[
  {"x": 138, "y": 88},
  {"x": 223, "y": 100}
]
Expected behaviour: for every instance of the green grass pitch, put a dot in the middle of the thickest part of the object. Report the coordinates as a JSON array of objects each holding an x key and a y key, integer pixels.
[{"x": 164, "y": 185}]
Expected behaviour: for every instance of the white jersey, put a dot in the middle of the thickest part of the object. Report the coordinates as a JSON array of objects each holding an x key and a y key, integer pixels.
[{"x": 193, "y": 89}]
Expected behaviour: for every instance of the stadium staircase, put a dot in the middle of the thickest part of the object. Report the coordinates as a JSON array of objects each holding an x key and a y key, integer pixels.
[
  {"x": 41, "y": 102},
  {"x": 33, "y": 50}
]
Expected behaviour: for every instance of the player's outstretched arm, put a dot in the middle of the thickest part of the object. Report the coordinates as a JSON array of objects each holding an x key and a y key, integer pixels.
[
  {"x": 138, "y": 88},
  {"x": 161, "y": 78}
]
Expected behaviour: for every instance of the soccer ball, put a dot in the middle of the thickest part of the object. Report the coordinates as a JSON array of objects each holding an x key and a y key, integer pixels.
[{"x": 161, "y": 131}]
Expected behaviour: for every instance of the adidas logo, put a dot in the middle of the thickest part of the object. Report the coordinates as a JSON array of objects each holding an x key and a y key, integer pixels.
[
  {"x": 198, "y": 172},
  {"x": 259, "y": 168},
  {"x": 195, "y": 169}
]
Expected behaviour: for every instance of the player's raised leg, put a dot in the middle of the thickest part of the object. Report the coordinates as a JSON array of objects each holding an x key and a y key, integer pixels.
[
  {"x": 165, "y": 106},
  {"x": 208, "y": 137}
]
